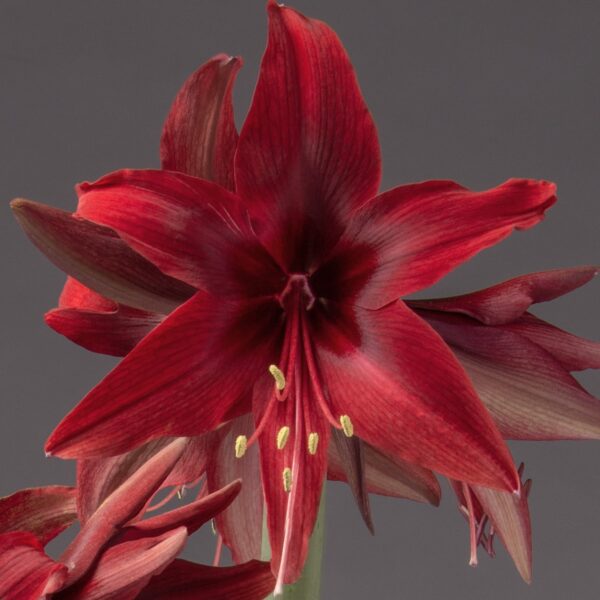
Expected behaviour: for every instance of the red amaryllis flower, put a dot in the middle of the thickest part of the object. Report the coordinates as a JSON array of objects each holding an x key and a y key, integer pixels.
[
  {"x": 117, "y": 554},
  {"x": 299, "y": 271}
]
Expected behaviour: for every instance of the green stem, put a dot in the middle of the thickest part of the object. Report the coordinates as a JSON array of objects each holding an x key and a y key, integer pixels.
[{"x": 309, "y": 585}]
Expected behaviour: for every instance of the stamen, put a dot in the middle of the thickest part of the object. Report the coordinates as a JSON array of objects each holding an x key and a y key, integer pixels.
[
  {"x": 287, "y": 479},
  {"x": 472, "y": 525},
  {"x": 282, "y": 437},
  {"x": 278, "y": 376},
  {"x": 347, "y": 426},
  {"x": 313, "y": 442},
  {"x": 241, "y": 444}
]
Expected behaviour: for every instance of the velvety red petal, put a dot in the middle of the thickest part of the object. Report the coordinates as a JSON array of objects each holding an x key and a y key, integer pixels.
[
  {"x": 308, "y": 152},
  {"x": 24, "y": 568},
  {"x": 240, "y": 524},
  {"x": 506, "y": 301},
  {"x": 388, "y": 477},
  {"x": 527, "y": 391},
  {"x": 199, "y": 136},
  {"x": 44, "y": 511},
  {"x": 191, "y": 229},
  {"x": 124, "y": 570},
  {"x": 408, "y": 238},
  {"x": 183, "y": 580},
  {"x": 191, "y": 373},
  {"x": 406, "y": 393},
  {"x": 99, "y": 258}
]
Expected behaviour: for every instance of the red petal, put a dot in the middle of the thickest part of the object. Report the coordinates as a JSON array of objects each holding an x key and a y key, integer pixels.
[
  {"x": 183, "y": 580},
  {"x": 98, "y": 258},
  {"x": 199, "y": 136},
  {"x": 191, "y": 229},
  {"x": 120, "y": 507},
  {"x": 44, "y": 511},
  {"x": 308, "y": 152},
  {"x": 388, "y": 477},
  {"x": 527, "y": 391},
  {"x": 184, "y": 378},
  {"x": 124, "y": 570},
  {"x": 24, "y": 568},
  {"x": 411, "y": 236},
  {"x": 407, "y": 395},
  {"x": 505, "y": 302},
  {"x": 241, "y": 523}
]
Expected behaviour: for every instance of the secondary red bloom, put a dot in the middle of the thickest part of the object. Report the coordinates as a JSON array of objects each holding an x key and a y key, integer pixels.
[
  {"x": 299, "y": 269},
  {"x": 117, "y": 554}
]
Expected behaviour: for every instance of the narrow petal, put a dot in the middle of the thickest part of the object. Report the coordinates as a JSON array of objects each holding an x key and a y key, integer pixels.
[
  {"x": 407, "y": 395},
  {"x": 183, "y": 580},
  {"x": 388, "y": 477},
  {"x": 191, "y": 229},
  {"x": 24, "y": 568},
  {"x": 308, "y": 152},
  {"x": 45, "y": 512},
  {"x": 190, "y": 374},
  {"x": 199, "y": 136},
  {"x": 124, "y": 570},
  {"x": 408, "y": 238},
  {"x": 241, "y": 523},
  {"x": 99, "y": 258},
  {"x": 527, "y": 391},
  {"x": 505, "y": 302}
]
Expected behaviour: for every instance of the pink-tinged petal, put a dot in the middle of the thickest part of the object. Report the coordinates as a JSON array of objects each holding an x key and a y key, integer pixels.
[
  {"x": 98, "y": 258},
  {"x": 527, "y": 391},
  {"x": 187, "y": 376},
  {"x": 509, "y": 515},
  {"x": 388, "y": 477},
  {"x": 121, "y": 506},
  {"x": 44, "y": 511},
  {"x": 124, "y": 570},
  {"x": 199, "y": 136},
  {"x": 505, "y": 302},
  {"x": 572, "y": 352},
  {"x": 308, "y": 152},
  {"x": 191, "y": 229},
  {"x": 408, "y": 238},
  {"x": 240, "y": 524},
  {"x": 183, "y": 580},
  {"x": 24, "y": 568},
  {"x": 406, "y": 393}
]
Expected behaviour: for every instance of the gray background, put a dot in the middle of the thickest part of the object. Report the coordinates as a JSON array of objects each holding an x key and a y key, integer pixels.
[{"x": 474, "y": 91}]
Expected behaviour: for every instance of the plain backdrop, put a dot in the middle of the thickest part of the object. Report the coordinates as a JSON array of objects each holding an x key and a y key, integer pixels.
[{"x": 476, "y": 91}]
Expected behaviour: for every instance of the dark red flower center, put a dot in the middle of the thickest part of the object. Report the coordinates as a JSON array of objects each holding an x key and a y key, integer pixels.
[{"x": 297, "y": 292}]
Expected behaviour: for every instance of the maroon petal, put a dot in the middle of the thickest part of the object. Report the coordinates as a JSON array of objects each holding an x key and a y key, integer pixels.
[
  {"x": 408, "y": 238},
  {"x": 124, "y": 570},
  {"x": 183, "y": 580},
  {"x": 528, "y": 392},
  {"x": 99, "y": 258},
  {"x": 308, "y": 152},
  {"x": 191, "y": 229},
  {"x": 388, "y": 477},
  {"x": 44, "y": 512},
  {"x": 240, "y": 524},
  {"x": 407, "y": 395},
  {"x": 191, "y": 373},
  {"x": 199, "y": 136},
  {"x": 24, "y": 568},
  {"x": 505, "y": 302}
]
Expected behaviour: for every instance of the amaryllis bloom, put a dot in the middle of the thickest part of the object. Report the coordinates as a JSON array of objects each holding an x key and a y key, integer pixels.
[
  {"x": 282, "y": 280},
  {"x": 118, "y": 554}
]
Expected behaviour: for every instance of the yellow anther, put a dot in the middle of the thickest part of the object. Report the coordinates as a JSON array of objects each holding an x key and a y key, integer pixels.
[
  {"x": 278, "y": 376},
  {"x": 347, "y": 426},
  {"x": 282, "y": 437},
  {"x": 180, "y": 494},
  {"x": 213, "y": 527},
  {"x": 287, "y": 479},
  {"x": 241, "y": 443},
  {"x": 313, "y": 442}
]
